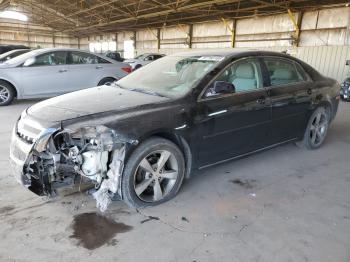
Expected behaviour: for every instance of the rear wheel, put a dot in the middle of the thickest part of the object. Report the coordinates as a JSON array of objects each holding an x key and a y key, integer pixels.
[
  {"x": 317, "y": 129},
  {"x": 7, "y": 94},
  {"x": 106, "y": 81},
  {"x": 137, "y": 67},
  {"x": 153, "y": 173}
]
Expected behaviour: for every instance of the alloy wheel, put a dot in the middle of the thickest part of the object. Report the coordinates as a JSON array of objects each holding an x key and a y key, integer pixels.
[
  {"x": 318, "y": 128},
  {"x": 156, "y": 176},
  {"x": 4, "y": 94}
]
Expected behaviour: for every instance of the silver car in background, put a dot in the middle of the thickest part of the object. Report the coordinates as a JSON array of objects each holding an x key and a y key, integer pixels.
[
  {"x": 142, "y": 60},
  {"x": 54, "y": 71},
  {"x": 12, "y": 54}
]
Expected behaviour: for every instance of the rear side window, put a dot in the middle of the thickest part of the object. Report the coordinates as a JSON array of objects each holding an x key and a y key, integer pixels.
[
  {"x": 284, "y": 72},
  {"x": 82, "y": 58},
  {"x": 50, "y": 59}
]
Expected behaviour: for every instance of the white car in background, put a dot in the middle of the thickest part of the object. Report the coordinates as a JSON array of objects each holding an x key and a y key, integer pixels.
[
  {"x": 143, "y": 59},
  {"x": 12, "y": 54},
  {"x": 54, "y": 71}
]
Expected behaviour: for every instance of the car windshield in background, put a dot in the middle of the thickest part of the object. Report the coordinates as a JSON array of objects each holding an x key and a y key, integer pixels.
[
  {"x": 171, "y": 76},
  {"x": 22, "y": 58},
  {"x": 11, "y": 54},
  {"x": 140, "y": 57}
]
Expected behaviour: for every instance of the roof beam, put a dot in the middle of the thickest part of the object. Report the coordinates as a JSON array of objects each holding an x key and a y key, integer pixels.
[{"x": 155, "y": 14}]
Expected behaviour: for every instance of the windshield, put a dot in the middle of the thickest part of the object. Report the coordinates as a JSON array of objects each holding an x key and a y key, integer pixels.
[
  {"x": 11, "y": 54},
  {"x": 21, "y": 58},
  {"x": 140, "y": 57},
  {"x": 171, "y": 76}
]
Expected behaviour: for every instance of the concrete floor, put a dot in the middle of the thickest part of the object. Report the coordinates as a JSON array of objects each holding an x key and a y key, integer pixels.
[{"x": 286, "y": 204}]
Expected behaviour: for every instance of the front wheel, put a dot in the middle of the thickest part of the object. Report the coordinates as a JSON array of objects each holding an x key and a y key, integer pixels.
[
  {"x": 153, "y": 174},
  {"x": 316, "y": 129},
  {"x": 7, "y": 94}
]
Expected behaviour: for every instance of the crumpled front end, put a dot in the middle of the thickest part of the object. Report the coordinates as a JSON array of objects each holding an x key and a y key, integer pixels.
[{"x": 45, "y": 160}]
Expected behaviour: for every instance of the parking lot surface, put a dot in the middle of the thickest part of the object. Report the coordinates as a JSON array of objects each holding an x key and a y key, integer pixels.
[{"x": 285, "y": 204}]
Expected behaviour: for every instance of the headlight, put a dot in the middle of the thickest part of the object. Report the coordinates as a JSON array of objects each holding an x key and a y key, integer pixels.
[{"x": 41, "y": 142}]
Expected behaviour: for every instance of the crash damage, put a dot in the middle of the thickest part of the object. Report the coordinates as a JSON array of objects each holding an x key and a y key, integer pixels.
[{"x": 63, "y": 158}]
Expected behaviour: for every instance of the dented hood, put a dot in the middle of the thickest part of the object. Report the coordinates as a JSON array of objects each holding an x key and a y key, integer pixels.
[{"x": 90, "y": 101}]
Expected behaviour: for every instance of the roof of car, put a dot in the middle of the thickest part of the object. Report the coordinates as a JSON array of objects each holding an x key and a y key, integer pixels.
[
  {"x": 151, "y": 54},
  {"x": 230, "y": 53},
  {"x": 61, "y": 49}
]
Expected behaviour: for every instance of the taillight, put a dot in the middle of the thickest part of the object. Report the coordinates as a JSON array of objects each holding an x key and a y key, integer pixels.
[{"x": 127, "y": 69}]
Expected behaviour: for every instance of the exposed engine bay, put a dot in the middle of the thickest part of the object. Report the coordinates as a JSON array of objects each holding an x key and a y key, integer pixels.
[{"x": 90, "y": 154}]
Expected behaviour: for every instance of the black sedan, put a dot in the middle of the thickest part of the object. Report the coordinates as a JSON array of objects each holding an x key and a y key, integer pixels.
[
  {"x": 345, "y": 90},
  {"x": 141, "y": 136}
]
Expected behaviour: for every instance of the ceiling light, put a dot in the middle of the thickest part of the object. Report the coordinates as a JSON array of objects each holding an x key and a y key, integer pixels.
[{"x": 13, "y": 15}]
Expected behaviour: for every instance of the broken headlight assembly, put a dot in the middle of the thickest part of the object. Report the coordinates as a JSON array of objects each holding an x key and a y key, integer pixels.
[{"x": 65, "y": 157}]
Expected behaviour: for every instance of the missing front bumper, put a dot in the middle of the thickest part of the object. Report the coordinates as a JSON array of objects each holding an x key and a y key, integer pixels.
[{"x": 95, "y": 155}]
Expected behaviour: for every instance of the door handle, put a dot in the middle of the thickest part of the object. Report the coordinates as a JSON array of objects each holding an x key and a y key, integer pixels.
[
  {"x": 261, "y": 100},
  {"x": 309, "y": 91},
  {"x": 99, "y": 67},
  {"x": 62, "y": 70}
]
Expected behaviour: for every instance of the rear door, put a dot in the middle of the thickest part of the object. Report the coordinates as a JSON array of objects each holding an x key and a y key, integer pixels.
[
  {"x": 290, "y": 90},
  {"x": 85, "y": 70},
  {"x": 237, "y": 123},
  {"x": 47, "y": 76}
]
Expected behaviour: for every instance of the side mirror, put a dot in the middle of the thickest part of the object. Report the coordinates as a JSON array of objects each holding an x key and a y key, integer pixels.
[
  {"x": 29, "y": 61},
  {"x": 222, "y": 87}
]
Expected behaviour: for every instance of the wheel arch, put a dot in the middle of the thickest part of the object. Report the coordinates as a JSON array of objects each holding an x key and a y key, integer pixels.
[
  {"x": 327, "y": 104},
  {"x": 106, "y": 77},
  {"x": 11, "y": 84},
  {"x": 178, "y": 140}
]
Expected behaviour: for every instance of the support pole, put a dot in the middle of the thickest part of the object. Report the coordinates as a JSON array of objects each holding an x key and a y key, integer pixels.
[
  {"x": 157, "y": 36},
  {"x": 54, "y": 40},
  {"x": 158, "y": 39},
  {"x": 188, "y": 34},
  {"x": 116, "y": 42},
  {"x": 232, "y": 30},
  {"x": 135, "y": 46},
  {"x": 297, "y": 25}
]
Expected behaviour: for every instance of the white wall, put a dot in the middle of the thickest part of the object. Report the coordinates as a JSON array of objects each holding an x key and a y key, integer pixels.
[
  {"x": 324, "y": 37},
  {"x": 33, "y": 35}
]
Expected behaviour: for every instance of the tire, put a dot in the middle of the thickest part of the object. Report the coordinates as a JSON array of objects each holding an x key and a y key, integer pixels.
[
  {"x": 106, "y": 81},
  {"x": 140, "y": 188},
  {"x": 7, "y": 93},
  {"x": 316, "y": 130},
  {"x": 137, "y": 67}
]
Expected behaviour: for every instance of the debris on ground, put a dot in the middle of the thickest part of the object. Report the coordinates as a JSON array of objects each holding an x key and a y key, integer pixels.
[
  {"x": 246, "y": 183},
  {"x": 150, "y": 218},
  {"x": 185, "y": 219}
]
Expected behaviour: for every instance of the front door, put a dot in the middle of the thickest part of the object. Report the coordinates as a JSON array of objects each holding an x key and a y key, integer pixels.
[{"x": 237, "y": 123}]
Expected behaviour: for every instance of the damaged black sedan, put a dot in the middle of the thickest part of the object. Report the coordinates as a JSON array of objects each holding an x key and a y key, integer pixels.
[{"x": 141, "y": 136}]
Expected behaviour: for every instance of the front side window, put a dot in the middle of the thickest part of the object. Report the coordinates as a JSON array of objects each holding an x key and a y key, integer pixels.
[
  {"x": 82, "y": 58},
  {"x": 51, "y": 59},
  {"x": 284, "y": 72},
  {"x": 244, "y": 75},
  {"x": 171, "y": 76}
]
